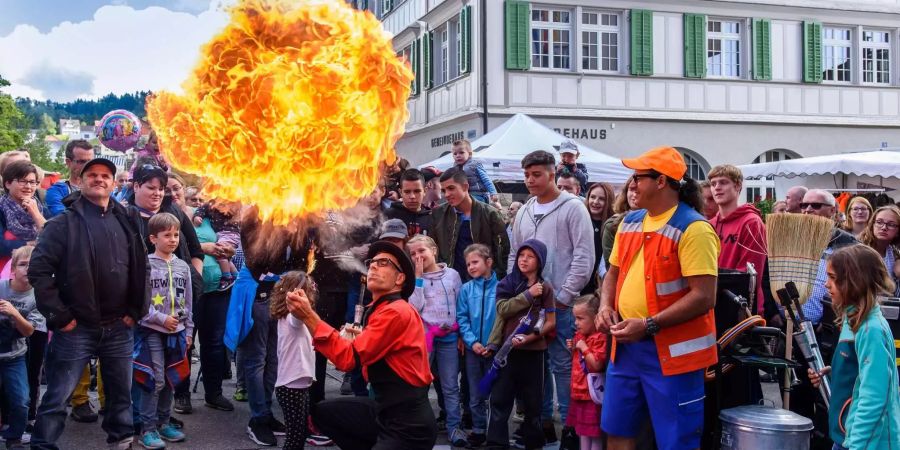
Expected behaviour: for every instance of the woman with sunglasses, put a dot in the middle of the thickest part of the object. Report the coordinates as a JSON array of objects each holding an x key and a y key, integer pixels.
[
  {"x": 883, "y": 235},
  {"x": 21, "y": 215}
]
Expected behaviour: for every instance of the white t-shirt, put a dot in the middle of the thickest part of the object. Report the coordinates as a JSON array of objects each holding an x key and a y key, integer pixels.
[
  {"x": 296, "y": 357},
  {"x": 538, "y": 209}
]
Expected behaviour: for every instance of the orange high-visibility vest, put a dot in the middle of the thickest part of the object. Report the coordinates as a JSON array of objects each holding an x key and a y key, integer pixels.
[{"x": 685, "y": 347}]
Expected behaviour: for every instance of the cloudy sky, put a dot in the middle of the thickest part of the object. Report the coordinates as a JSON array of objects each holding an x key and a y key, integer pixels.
[{"x": 66, "y": 49}]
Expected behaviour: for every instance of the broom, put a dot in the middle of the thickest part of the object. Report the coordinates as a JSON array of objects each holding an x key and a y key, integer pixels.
[{"x": 795, "y": 244}]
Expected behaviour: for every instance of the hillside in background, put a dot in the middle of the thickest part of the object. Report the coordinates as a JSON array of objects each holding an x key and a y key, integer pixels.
[{"x": 85, "y": 110}]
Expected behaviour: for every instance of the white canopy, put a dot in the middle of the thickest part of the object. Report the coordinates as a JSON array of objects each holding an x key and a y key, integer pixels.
[
  {"x": 501, "y": 152},
  {"x": 883, "y": 163}
]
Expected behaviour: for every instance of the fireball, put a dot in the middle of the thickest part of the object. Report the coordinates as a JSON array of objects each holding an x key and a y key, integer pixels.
[{"x": 292, "y": 108}]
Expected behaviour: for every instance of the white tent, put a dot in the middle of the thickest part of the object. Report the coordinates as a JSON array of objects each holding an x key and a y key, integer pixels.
[
  {"x": 871, "y": 164},
  {"x": 501, "y": 152}
]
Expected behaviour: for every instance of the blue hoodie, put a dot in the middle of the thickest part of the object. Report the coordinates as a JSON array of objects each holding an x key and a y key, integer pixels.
[
  {"x": 475, "y": 310},
  {"x": 513, "y": 296}
]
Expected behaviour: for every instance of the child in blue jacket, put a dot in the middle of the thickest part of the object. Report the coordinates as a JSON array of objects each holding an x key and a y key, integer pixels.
[{"x": 475, "y": 313}]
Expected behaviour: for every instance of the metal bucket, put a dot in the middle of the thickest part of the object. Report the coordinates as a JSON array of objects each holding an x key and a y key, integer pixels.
[{"x": 757, "y": 427}]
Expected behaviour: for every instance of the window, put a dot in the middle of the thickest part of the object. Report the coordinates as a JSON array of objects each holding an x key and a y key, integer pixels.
[
  {"x": 754, "y": 194},
  {"x": 836, "y": 54},
  {"x": 876, "y": 56},
  {"x": 696, "y": 167},
  {"x": 551, "y": 34},
  {"x": 447, "y": 45},
  {"x": 723, "y": 48},
  {"x": 600, "y": 41}
]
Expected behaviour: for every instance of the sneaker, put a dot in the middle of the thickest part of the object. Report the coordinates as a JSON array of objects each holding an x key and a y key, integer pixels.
[
  {"x": 476, "y": 440},
  {"x": 183, "y": 405},
  {"x": 177, "y": 424},
  {"x": 225, "y": 283},
  {"x": 219, "y": 402},
  {"x": 317, "y": 440},
  {"x": 549, "y": 432},
  {"x": 277, "y": 427},
  {"x": 125, "y": 444},
  {"x": 83, "y": 413},
  {"x": 568, "y": 440},
  {"x": 151, "y": 439},
  {"x": 346, "y": 387},
  {"x": 458, "y": 438},
  {"x": 240, "y": 395},
  {"x": 170, "y": 433},
  {"x": 314, "y": 437},
  {"x": 259, "y": 432}
]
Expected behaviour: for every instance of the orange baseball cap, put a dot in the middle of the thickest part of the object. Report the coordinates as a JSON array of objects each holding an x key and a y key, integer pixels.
[{"x": 665, "y": 160}]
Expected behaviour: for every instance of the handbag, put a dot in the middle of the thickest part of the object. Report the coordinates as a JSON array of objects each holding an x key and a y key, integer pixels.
[{"x": 596, "y": 383}]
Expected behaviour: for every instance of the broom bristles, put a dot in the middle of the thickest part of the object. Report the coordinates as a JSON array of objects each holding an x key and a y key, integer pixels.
[{"x": 795, "y": 244}]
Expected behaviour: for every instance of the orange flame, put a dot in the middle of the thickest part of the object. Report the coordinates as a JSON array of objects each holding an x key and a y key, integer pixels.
[{"x": 292, "y": 108}]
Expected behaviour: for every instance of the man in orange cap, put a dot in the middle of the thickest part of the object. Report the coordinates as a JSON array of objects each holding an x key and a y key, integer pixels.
[{"x": 657, "y": 302}]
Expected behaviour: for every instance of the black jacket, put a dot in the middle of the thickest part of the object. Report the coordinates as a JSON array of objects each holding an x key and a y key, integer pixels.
[
  {"x": 416, "y": 222},
  {"x": 61, "y": 269}
]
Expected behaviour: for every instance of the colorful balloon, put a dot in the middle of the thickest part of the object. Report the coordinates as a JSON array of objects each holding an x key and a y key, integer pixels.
[{"x": 119, "y": 130}]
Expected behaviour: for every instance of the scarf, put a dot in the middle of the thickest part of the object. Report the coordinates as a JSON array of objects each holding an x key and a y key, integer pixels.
[{"x": 18, "y": 221}]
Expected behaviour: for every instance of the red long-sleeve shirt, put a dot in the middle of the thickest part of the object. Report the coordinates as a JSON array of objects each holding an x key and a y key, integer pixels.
[
  {"x": 596, "y": 346},
  {"x": 394, "y": 333}
]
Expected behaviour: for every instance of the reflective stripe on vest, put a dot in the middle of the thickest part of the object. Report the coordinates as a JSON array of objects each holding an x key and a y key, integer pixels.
[
  {"x": 692, "y": 345},
  {"x": 681, "y": 348}
]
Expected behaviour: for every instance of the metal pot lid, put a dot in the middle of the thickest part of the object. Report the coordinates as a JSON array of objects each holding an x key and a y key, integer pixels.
[{"x": 766, "y": 418}]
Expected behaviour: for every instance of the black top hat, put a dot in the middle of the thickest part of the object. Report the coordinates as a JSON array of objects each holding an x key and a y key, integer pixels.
[{"x": 409, "y": 285}]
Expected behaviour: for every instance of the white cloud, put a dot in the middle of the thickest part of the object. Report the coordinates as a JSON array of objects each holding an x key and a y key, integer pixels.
[{"x": 120, "y": 50}]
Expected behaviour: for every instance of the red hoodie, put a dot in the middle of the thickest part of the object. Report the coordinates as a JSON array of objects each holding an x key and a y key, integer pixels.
[{"x": 743, "y": 238}]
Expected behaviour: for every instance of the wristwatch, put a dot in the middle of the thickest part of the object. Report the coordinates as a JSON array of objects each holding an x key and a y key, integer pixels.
[{"x": 651, "y": 326}]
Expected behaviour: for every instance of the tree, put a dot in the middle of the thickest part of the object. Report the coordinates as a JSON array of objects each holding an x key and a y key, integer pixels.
[{"x": 10, "y": 119}]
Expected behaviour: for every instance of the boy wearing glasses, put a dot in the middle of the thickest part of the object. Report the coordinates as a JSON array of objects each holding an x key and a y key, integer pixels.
[{"x": 19, "y": 318}]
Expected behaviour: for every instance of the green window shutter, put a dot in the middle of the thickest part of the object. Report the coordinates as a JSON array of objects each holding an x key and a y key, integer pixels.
[
  {"x": 426, "y": 60},
  {"x": 641, "y": 42},
  {"x": 812, "y": 52},
  {"x": 518, "y": 28},
  {"x": 762, "y": 49},
  {"x": 465, "y": 26},
  {"x": 694, "y": 45},
  {"x": 414, "y": 60}
]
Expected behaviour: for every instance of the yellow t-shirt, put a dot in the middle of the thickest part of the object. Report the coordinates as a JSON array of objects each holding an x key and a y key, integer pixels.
[{"x": 698, "y": 254}]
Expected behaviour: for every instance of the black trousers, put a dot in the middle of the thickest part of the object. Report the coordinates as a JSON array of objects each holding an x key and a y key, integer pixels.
[
  {"x": 352, "y": 423},
  {"x": 37, "y": 348},
  {"x": 522, "y": 378}
]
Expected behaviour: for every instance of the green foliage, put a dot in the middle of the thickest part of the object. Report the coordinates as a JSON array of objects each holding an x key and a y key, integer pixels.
[
  {"x": 10, "y": 122},
  {"x": 85, "y": 110},
  {"x": 765, "y": 206}
]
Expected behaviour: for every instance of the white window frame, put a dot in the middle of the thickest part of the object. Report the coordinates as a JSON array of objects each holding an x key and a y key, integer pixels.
[
  {"x": 446, "y": 52},
  {"x": 830, "y": 46},
  {"x": 875, "y": 46},
  {"x": 599, "y": 30},
  {"x": 552, "y": 26},
  {"x": 722, "y": 37}
]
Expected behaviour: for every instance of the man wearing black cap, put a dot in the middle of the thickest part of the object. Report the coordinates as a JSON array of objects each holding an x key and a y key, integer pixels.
[
  {"x": 89, "y": 272},
  {"x": 391, "y": 351}
]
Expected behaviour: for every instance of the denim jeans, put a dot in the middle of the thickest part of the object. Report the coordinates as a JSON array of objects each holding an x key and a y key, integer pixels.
[
  {"x": 209, "y": 318},
  {"x": 445, "y": 360},
  {"x": 156, "y": 406},
  {"x": 259, "y": 355},
  {"x": 476, "y": 368},
  {"x": 560, "y": 366},
  {"x": 68, "y": 353},
  {"x": 14, "y": 380}
]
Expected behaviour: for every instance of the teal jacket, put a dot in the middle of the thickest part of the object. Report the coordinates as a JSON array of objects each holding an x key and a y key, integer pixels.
[
  {"x": 865, "y": 402},
  {"x": 476, "y": 310}
]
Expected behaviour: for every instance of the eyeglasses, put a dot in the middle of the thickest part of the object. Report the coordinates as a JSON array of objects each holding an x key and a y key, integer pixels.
[
  {"x": 382, "y": 262},
  {"x": 637, "y": 176},
  {"x": 886, "y": 225},
  {"x": 859, "y": 209},
  {"x": 28, "y": 182},
  {"x": 814, "y": 205}
]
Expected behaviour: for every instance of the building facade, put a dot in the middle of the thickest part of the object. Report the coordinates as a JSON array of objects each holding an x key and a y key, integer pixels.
[{"x": 728, "y": 81}]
